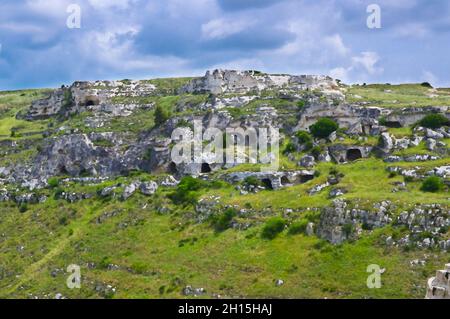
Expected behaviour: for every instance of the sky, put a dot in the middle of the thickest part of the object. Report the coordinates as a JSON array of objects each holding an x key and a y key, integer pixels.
[{"x": 138, "y": 39}]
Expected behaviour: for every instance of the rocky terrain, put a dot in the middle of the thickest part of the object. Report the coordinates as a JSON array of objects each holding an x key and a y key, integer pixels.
[{"x": 87, "y": 178}]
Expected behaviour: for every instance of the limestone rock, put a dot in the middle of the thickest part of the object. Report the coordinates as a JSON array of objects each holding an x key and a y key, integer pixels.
[{"x": 148, "y": 188}]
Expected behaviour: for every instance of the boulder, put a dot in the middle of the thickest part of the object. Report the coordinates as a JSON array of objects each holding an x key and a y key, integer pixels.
[
  {"x": 307, "y": 161},
  {"x": 148, "y": 188}
]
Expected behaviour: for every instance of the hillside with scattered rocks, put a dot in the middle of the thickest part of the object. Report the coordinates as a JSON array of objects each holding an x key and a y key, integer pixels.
[{"x": 87, "y": 178}]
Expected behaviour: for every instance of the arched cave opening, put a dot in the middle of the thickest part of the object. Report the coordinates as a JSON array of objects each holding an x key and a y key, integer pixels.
[
  {"x": 206, "y": 168},
  {"x": 267, "y": 183},
  {"x": 353, "y": 154}
]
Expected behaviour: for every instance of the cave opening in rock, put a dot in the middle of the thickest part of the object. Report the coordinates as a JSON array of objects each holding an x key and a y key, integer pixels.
[
  {"x": 353, "y": 154},
  {"x": 173, "y": 168},
  {"x": 267, "y": 183},
  {"x": 91, "y": 101},
  {"x": 206, "y": 168},
  {"x": 63, "y": 170},
  {"x": 393, "y": 124},
  {"x": 306, "y": 178},
  {"x": 285, "y": 180}
]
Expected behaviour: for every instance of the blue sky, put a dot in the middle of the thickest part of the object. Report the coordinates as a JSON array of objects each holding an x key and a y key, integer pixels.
[{"x": 157, "y": 38}]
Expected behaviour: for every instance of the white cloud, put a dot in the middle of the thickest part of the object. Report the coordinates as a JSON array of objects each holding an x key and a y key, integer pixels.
[
  {"x": 415, "y": 30},
  {"x": 368, "y": 60},
  {"x": 340, "y": 73},
  {"x": 107, "y": 4},
  {"x": 222, "y": 28},
  {"x": 430, "y": 77},
  {"x": 336, "y": 43}
]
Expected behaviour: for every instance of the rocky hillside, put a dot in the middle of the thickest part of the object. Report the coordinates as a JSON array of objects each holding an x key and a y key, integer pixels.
[{"x": 87, "y": 178}]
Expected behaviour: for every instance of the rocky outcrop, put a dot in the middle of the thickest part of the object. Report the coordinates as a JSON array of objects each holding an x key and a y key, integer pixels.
[
  {"x": 438, "y": 287},
  {"x": 339, "y": 222},
  {"x": 231, "y": 81},
  {"x": 346, "y": 153},
  {"x": 91, "y": 96},
  {"x": 273, "y": 180}
]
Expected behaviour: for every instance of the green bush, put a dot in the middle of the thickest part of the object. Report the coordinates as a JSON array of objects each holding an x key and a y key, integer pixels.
[
  {"x": 305, "y": 138},
  {"x": 273, "y": 227},
  {"x": 23, "y": 207},
  {"x": 290, "y": 148},
  {"x": 434, "y": 121},
  {"x": 432, "y": 184},
  {"x": 348, "y": 229},
  {"x": 323, "y": 128},
  {"x": 186, "y": 192},
  {"x": 53, "y": 182},
  {"x": 298, "y": 227},
  {"x": 315, "y": 151},
  {"x": 222, "y": 222},
  {"x": 161, "y": 115},
  {"x": 301, "y": 105}
]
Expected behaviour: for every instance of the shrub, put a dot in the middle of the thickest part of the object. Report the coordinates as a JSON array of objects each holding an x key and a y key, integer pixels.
[
  {"x": 273, "y": 227},
  {"x": 186, "y": 192},
  {"x": 315, "y": 151},
  {"x": 161, "y": 115},
  {"x": 53, "y": 182},
  {"x": 434, "y": 121},
  {"x": 382, "y": 121},
  {"x": 298, "y": 227},
  {"x": 305, "y": 139},
  {"x": 301, "y": 105},
  {"x": 290, "y": 148},
  {"x": 348, "y": 229},
  {"x": 23, "y": 207},
  {"x": 426, "y": 84},
  {"x": 323, "y": 128},
  {"x": 222, "y": 222},
  {"x": 432, "y": 184}
]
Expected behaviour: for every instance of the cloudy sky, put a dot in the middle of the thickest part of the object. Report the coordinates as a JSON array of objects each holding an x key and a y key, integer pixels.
[{"x": 156, "y": 38}]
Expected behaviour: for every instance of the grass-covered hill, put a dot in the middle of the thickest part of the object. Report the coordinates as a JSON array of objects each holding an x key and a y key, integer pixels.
[{"x": 208, "y": 237}]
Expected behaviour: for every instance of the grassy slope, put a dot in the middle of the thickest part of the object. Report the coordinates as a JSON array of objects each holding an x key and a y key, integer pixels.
[
  {"x": 398, "y": 96},
  {"x": 153, "y": 264},
  {"x": 232, "y": 263}
]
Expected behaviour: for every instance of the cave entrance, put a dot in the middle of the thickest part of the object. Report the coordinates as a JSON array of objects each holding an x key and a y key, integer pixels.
[
  {"x": 306, "y": 178},
  {"x": 393, "y": 124},
  {"x": 206, "y": 168},
  {"x": 267, "y": 183},
  {"x": 173, "y": 168},
  {"x": 285, "y": 181},
  {"x": 91, "y": 101},
  {"x": 353, "y": 154}
]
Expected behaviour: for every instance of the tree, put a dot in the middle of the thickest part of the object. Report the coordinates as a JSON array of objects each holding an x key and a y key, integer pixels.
[
  {"x": 161, "y": 115},
  {"x": 323, "y": 128}
]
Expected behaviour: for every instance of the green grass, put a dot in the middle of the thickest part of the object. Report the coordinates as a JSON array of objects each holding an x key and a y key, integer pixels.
[
  {"x": 231, "y": 263},
  {"x": 403, "y": 95},
  {"x": 158, "y": 254},
  {"x": 12, "y": 102}
]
